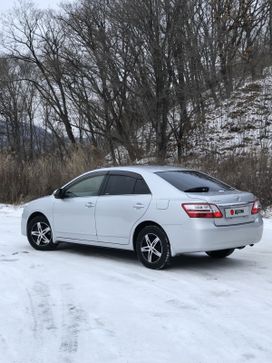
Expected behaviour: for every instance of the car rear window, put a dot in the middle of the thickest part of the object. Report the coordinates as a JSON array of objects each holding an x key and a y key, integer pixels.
[{"x": 193, "y": 181}]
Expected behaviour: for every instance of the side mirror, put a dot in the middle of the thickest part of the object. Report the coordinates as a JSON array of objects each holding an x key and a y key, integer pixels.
[{"x": 58, "y": 193}]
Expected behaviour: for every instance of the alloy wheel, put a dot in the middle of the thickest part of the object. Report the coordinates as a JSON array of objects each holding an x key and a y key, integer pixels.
[
  {"x": 151, "y": 248},
  {"x": 41, "y": 234}
]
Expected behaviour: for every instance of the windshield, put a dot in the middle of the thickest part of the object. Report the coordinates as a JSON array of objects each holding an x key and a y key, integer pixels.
[{"x": 192, "y": 181}]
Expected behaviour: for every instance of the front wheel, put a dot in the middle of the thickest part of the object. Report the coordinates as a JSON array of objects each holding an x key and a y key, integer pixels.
[
  {"x": 152, "y": 247},
  {"x": 39, "y": 234},
  {"x": 220, "y": 253}
]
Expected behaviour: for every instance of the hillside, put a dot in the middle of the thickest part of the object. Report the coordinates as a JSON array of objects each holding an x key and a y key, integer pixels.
[{"x": 242, "y": 124}]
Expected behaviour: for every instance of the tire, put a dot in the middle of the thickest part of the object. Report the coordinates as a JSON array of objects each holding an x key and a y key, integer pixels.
[
  {"x": 39, "y": 234},
  {"x": 220, "y": 253},
  {"x": 152, "y": 247}
]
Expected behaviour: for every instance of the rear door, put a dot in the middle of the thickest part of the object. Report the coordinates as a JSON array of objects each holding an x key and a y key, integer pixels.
[{"x": 124, "y": 200}]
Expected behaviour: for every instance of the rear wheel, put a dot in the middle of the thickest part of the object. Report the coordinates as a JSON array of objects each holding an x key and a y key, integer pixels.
[
  {"x": 152, "y": 247},
  {"x": 39, "y": 234},
  {"x": 220, "y": 253}
]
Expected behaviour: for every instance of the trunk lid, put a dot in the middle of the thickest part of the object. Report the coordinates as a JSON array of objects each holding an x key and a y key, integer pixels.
[{"x": 235, "y": 205}]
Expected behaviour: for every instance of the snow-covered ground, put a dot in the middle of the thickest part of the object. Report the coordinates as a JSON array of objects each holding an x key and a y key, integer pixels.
[{"x": 87, "y": 305}]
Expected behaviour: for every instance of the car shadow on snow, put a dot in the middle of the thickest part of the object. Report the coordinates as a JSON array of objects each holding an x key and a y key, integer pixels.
[
  {"x": 99, "y": 252},
  {"x": 202, "y": 261},
  {"x": 185, "y": 261}
]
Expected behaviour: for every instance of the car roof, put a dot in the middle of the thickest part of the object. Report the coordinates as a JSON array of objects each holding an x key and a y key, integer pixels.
[{"x": 142, "y": 168}]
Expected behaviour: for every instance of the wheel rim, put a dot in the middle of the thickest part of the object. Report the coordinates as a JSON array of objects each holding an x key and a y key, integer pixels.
[
  {"x": 151, "y": 248},
  {"x": 41, "y": 233}
]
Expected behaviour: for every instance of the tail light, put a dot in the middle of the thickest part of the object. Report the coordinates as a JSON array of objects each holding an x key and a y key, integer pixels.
[
  {"x": 202, "y": 210},
  {"x": 256, "y": 208}
]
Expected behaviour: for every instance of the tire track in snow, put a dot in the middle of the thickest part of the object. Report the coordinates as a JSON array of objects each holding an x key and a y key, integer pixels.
[
  {"x": 40, "y": 308},
  {"x": 78, "y": 327},
  {"x": 74, "y": 319},
  {"x": 5, "y": 349}
]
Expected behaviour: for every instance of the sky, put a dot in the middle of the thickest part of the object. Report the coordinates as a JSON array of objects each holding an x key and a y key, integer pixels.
[{"x": 8, "y": 4}]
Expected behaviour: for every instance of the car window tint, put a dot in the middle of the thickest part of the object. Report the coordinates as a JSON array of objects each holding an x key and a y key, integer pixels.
[
  {"x": 191, "y": 180},
  {"x": 120, "y": 184},
  {"x": 141, "y": 187},
  {"x": 86, "y": 187}
]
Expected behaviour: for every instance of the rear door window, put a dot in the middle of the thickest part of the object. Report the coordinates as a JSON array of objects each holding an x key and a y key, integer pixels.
[
  {"x": 193, "y": 181},
  {"x": 120, "y": 185},
  {"x": 141, "y": 187}
]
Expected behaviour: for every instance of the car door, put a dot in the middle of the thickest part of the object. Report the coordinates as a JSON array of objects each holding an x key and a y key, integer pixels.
[
  {"x": 74, "y": 212},
  {"x": 124, "y": 200}
]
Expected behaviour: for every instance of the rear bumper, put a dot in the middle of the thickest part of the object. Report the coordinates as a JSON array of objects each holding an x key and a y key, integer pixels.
[{"x": 203, "y": 235}]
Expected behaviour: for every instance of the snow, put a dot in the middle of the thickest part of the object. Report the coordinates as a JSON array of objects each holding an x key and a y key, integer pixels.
[
  {"x": 267, "y": 213},
  {"x": 86, "y": 305}
]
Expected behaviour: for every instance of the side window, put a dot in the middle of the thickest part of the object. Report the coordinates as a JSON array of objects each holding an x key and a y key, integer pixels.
[
  {"x": 85, "y": 188},
  {"x": 120, "y": 184},
  {"x": 141, "y": 187}
]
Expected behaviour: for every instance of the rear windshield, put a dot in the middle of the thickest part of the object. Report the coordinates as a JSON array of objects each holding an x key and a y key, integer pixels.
[{"x": 191, "y": 181}]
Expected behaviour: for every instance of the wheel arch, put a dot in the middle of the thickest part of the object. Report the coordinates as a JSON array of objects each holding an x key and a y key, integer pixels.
[
  {"x": 33, "y": 215},
  {"x": 142, "y": 225}
]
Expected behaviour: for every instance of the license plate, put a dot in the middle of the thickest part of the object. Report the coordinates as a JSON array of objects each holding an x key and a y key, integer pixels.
[{"x": 237, "y": 212}]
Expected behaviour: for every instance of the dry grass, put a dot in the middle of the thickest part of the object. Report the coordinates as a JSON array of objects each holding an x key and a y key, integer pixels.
[{"x": 23, "y": 181}]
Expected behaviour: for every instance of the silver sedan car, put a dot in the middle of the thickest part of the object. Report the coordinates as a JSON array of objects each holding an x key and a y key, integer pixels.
[{"x": 159, "y": 212}]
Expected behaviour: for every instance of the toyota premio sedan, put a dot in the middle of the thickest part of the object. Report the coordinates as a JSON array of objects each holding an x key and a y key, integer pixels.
[{"x": 158, "y": 212}]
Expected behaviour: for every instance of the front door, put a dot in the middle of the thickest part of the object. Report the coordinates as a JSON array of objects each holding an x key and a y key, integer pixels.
[{"x": 74, "y": 214}]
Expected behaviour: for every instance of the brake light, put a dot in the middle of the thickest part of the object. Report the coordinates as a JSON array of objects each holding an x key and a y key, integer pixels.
[
  {"x": 256, "y": 208},
  {"x": 202, "y": 210}
]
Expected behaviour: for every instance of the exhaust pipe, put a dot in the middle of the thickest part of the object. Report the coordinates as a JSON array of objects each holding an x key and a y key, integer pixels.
[{"x": 240, "y": 248}]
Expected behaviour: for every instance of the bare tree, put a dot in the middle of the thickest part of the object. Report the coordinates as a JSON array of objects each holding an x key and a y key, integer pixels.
[
  {"x": 36, "y": 37},
  {"x": 18, "y": 108}
]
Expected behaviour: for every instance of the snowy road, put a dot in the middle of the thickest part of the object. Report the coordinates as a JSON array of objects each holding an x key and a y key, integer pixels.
[{"x": 88, "y": 305}]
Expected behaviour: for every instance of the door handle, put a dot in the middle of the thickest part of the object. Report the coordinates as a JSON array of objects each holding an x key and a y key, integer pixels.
[
  {"x": 138, "y": 206},
  {"x": 89, "y": 205}
]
